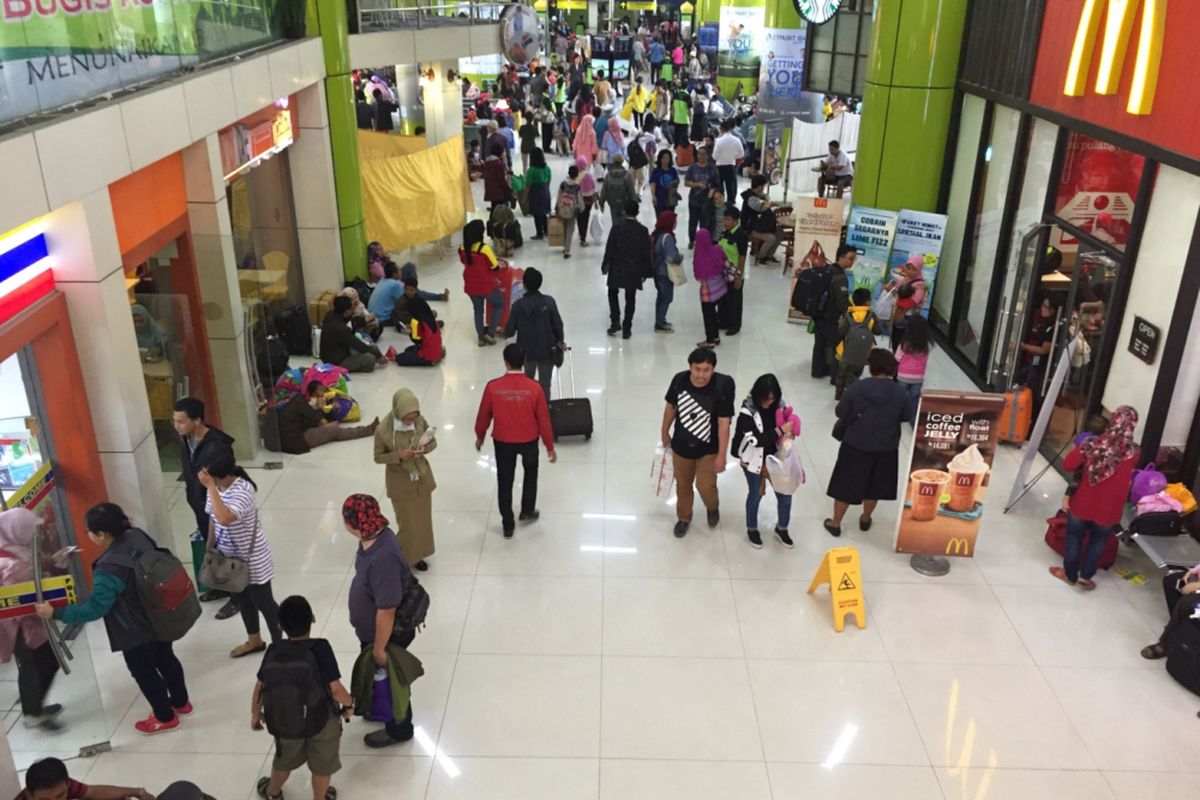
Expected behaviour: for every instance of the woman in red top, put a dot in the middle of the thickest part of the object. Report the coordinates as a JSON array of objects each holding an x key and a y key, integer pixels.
[
  {"x": 479, "y": 282},
  {"x": 1096, "y": 507}
]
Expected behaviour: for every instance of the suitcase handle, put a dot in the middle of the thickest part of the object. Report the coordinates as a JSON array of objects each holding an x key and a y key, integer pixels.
[{"x": 569, "y": 359}]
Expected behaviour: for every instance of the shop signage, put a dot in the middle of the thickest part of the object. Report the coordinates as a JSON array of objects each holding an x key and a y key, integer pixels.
[
  {"x": 781, "y": 72},
  {"x": 1124, "y": 66},
  {"x": 919, "y": 233},
  {"x": 870, "y": 231},
  {"x": 18, "y": 599},
  {"x": 818, "y": 232},
  {"x": 54, "y": 52},
  {"x": 817, "y": 11},
  {"x": 1118, "y": 28},
  {"x": 1143, "y": 340},
  {"x": 1095, "y": 191},
  {"x": 948, "y": 473},
  {"x": 740, "y": 42},
  {"x": 25, "y": 275},
  {"x": 246, "y": 144}
]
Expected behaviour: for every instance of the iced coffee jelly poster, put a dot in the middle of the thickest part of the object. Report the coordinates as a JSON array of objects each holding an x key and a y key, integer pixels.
[{"x": 949, "y": 471}]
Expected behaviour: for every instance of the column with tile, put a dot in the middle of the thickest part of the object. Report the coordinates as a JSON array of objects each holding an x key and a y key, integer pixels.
[{"x": 314, "y": 195}]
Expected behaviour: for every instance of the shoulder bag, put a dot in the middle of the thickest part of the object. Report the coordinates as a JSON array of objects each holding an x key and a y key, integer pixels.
[{"x": 227, "y": 573}]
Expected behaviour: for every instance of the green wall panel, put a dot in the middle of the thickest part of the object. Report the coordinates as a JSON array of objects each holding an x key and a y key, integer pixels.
[
  {"x": 914, "y": 148},
  {"x": 927, "y": 49},
  {"x": 871, "y": 136}
]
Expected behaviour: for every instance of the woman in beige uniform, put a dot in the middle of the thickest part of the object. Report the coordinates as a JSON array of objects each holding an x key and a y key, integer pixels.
[{"x": 409, "y": 478}]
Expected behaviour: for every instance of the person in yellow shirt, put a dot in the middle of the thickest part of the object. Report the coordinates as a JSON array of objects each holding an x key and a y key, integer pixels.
[
  {"x": 856, "y": 337},
  {"x": 637, "y": 100}
]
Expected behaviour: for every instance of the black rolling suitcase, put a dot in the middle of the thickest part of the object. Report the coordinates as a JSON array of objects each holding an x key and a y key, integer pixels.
[{"x": 570, "y": 416}]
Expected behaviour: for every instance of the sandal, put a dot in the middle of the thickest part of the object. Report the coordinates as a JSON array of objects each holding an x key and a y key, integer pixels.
[
  {"x": 1084, "y": 583},
  {"x": 706, "y": 345},
  {"x": 246, "y": 649},
  {"x": 261, "y": 788},
  {"x": 834, "y": 530},
  {"x": 1154, "y": 652},
  {"x": 228, "y": 610},
  {"x": 1061, "y": 574},
  {"x": 864, "y": 523},
  {"x": 331, "y": 793}
]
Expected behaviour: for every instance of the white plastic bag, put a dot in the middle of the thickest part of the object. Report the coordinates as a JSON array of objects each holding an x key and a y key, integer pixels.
[
  {"x": 662, "y": 472},
  {"x": 786, "y": 472},
  {"x": 885, "y": 305},
  {"x": 596, "y": 226}
]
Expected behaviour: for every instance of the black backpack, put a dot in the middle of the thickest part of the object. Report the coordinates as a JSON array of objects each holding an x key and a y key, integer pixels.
[
  {"x": 296, "y": 701},
  {"x": 362, "y": 287},
  {"x": 637, "y": 154},
  {"x": 856, "y": 347},
  {"x": 811, "y": 295},
  {"x": 292, "y": 326},
  {"x": 1183, "y": 655}
]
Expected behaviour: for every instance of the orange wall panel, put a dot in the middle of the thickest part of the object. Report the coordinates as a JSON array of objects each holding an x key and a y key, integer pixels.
[{"x": 147, "y": 201}]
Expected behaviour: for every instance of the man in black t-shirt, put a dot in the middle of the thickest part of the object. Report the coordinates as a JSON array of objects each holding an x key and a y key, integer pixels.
[{"x": 700, "y": 404}]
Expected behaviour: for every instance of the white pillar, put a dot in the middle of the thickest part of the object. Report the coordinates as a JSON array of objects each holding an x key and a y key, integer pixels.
[
  {"x": 216, "y": 268},
  {"x": 311, "y": 164},
  {"x": 88, "y": 272}
]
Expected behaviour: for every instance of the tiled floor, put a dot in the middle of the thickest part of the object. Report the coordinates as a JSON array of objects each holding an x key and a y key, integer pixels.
[{"x": 595, "y": 656}]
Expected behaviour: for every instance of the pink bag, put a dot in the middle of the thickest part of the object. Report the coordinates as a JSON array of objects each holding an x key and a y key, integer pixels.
[{"x": 1159, "y": 501}]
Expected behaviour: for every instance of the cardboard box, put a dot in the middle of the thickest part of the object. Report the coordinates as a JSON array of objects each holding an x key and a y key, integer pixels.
[
  {"x": 319, "y": 306},
  {"x": 555, "y": 229}
]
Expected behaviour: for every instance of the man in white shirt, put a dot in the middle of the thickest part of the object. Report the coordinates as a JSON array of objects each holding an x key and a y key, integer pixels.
[
  {"x": 835, "y": 170},
  {"x": 727, "y": 150}
]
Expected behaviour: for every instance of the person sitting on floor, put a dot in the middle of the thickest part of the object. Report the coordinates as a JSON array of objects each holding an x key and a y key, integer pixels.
[
  {"x": 1183, "y": 595},
  {"x": 340, "y": 346},
  {"x": 426, "y": 349},
  {"x": 48, "y": 779},
  {"x": 304, "y": 422}
]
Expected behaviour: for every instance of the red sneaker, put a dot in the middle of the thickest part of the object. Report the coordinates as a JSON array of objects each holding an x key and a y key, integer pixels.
[
  {"x": 151, "y": 725},
  {"x": 183, "y": 711}
]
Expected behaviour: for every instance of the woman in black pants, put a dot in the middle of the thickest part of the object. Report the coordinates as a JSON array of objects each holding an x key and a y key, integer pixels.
[
  {"x": 114, "y": 598},
  {"x": 236, "y": 531}
]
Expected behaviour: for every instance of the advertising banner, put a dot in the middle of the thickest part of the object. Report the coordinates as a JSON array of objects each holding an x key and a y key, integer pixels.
[
  {"x": 919, "y": 233},
  {"x": 870, "y": 231},
  {"x": 771, "y": 163},
  {"x": 781, "y": 72},
  {"x": 1096, "y": 191},
  {"x": 818, "y": 232},
  {"x": 56, "y": 53},
  {"x": 740, "y": 42},
  {"x": 947, "y": 479}
]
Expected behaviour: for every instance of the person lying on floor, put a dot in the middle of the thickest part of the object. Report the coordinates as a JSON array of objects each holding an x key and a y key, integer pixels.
[
  {"x": 1185, "y": 592},
  {"x": 304, "y": 422},
  {"x": 426, "y": 349}
]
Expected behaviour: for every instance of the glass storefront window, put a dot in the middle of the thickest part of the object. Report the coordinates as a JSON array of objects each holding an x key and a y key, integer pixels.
[
  {"x": 265, "y": 243},
  {"x": 1097, "y": 189},
  {"x": 837, "y": 48}
]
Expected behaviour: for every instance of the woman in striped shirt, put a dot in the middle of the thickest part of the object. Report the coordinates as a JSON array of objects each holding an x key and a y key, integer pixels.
[{"x": 236, "y": 531}]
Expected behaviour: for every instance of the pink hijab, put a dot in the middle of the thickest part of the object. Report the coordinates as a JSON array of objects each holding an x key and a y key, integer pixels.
[
  {"x": 708, "y": 259},
  {"x": 587, "y": 184},
  {"x": 614, "y": 130},
  {"x": 17, "y": 529},
  {"x": 585, "y": 138}
]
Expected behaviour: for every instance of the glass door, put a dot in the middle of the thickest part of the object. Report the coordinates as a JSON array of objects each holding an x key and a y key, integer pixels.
[
  {"x": 1015, "y": 308},
  {"x": 57, "y": 708},
  {"x": 171, "y": 348}
]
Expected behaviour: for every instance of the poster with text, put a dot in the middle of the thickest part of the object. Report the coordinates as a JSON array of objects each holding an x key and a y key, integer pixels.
[
  {"x": 870, "y": 231},
  {"x": 739, "y": 42},
  {"x": 818, "y": 232},
  {"x": 919, "y": 233},
  {"x": 1096, "y": 191},
  {"x": 948, "y": 475},
  {"x": 781, "y": 72}
]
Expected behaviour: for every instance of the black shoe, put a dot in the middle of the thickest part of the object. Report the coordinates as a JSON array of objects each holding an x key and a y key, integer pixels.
[
  {"x": 381, "y": 738},
  {"x": 213, "y": 595},
  {"x": 755, "y": 539},
  {"x": 530, "y": 517},
  {"x": 681, "y": 529},
  {"x": 714, "y": 516},
  {"x": 627, "y": 335},
  {"x": 782, "y": 535},
  {"x": 732, "y": 332},
  {"x": 228, "y": 610},
  {"x": 421, "y": 566},
  {"x": 508, "y": 531},
  {"x": 834, "y": 530},
  {"x": 664, "y": 328},
  {"x": 613, "y": 331}
]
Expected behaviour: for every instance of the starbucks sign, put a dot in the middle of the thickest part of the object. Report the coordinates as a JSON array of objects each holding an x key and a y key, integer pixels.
[{"x": 817, "y": 11}]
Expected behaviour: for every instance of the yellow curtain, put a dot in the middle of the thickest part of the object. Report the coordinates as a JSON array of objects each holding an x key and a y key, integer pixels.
[{"x": 412, "y": 197}]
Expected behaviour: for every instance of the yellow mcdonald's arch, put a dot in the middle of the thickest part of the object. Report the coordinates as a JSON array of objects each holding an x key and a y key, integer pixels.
[
  {"x": 958, "y": 547},
  {"x": 1118, "y": 26}
]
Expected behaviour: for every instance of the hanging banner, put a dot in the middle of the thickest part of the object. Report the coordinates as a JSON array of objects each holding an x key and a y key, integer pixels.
[
  {"x": 870, "y": 231},
  {"x": 948, "y": 473},
  {"x": 781, "y": 73},
  {"x": 919, "y": 234},
  {"x": 740, "y": 42},
  {"x": 818, "y": 232}
]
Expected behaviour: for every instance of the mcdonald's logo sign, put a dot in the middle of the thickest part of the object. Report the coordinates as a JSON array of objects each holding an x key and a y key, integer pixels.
[
  {"x": 1118, "y": 18},
  {"x": 958, "y": 547}
]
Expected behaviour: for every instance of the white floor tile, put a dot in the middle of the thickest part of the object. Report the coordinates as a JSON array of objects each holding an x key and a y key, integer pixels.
[
  {"x": 628, "y": 779},
  {"x": 692, "y": 617},
  {"x": 514, "y": 779},
  {"x": 518, "y": 615},
  {"x": 802, "y": 781},
  {"x": 1000, "y": 783}
]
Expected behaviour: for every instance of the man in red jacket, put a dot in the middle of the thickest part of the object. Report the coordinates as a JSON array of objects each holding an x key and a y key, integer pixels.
[{"x": 515, "y": 406}]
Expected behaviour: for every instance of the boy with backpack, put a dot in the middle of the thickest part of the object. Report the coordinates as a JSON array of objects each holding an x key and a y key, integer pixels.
[
  {"x": 300, "y": 697},
  {"x": 567, "y": 205},
  {"x": 856, "y": 337}
]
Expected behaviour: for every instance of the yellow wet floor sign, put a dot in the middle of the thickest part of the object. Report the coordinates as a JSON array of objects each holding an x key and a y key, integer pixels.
[{"x": 840, "y": 569}]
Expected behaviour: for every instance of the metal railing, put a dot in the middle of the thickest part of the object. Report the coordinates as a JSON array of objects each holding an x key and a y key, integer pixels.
[{"x": 373, "y": 16}]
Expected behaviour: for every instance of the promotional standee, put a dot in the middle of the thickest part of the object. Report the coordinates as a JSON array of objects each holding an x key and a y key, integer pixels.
[
  {"x": 948, "y": 476},
  {"x": 781, "y": 72},
  {"x": 740, "y": 42},
  {"x": 818, "y": 232},
  {"x": 919, "y": 233},
  {"x": 870, "y": 231}
]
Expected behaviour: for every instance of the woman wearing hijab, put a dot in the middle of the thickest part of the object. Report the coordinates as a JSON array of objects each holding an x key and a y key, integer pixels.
[
  {"x": 537, "y": 178},
  {"x": 402, "y": 441},
  {"x": 700, "y": 120},
  {"x": 613, "y": 142},
  {"x": 665, "y": 252},
  {"x": 381, "y": 579},
  {"x": 708, "y": 265},
  {"x": 1107, "y": 462},
  {"x": 589, "y": 193},
  {"x": 150, "y": 335},
  {"x": 25, "y": 637},
  {"x": 479, "y": 262},
  {"x": 585, "y": 146}
]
